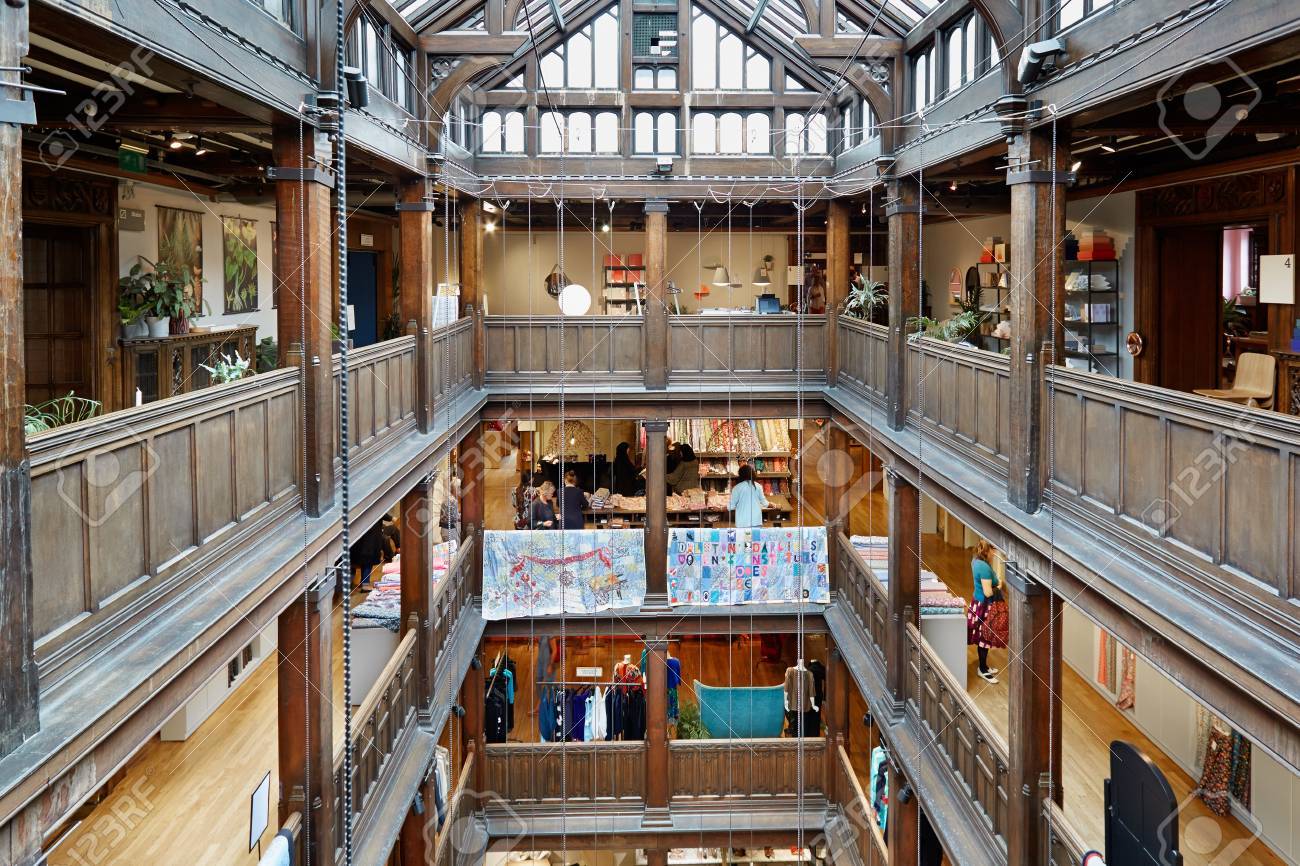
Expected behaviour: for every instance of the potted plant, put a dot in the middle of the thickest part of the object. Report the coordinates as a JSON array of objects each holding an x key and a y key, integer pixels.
[
  {"x": 227, "y": 369},
  {"x": 133, "y": 302},
  {"x": 175, "y": 294},
  {"x": 865, "y": 297}
]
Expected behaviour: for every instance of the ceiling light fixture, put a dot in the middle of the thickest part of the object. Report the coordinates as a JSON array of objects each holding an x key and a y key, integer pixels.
[
  {"x": 1078, "y": 164},
  {"x": 173, "y": 143},
  {"x": 953, "y": 186},
  {"x": 489, "y": 227},
  {"x": 200, "y": 148},
  {"x": 604, "y": 227},
  {"x": 1108, "y": 146}
]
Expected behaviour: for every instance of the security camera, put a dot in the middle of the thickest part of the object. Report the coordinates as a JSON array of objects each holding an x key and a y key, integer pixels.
[
  {"x": 1035, "y": 59},
  {"x": 905, "y": 794},
  {"x": 458, "y": 711}
]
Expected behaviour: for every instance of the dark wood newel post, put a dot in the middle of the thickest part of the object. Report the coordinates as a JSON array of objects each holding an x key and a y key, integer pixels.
[
  {"x": 658, "y": 785},
  {"x": 305, "y": 244},
  {"x": 904, "y": 217},
  {"x": 471, "y": 279},
  {"x": 656, "y": 523},
  {"x": 18, "y": 673},
  {"x": 415, "y": 227},
  {"x": 1037, "y": 251},
  {"x": 417, "y": 523},
  {"x": 904, "y": 580},
  {"x": 656, "y": 300},
  {"x": 837, "y": 279},
  {"x": 1034, "y": 694}
]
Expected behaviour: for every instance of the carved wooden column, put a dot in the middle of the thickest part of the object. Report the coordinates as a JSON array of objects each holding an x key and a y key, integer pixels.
[
  {"x": 657, "y": 782},
  {"x": 1034, "y": 694},
  {"x": 473, "y": 736},
  {"x": 904, "y": 579},
  {"x": 656, "y": 857},
  {"x": 472, "y": 291},
  {"x": 473, "y": 486},
  {"x": 657, "y": 298},
  {"x": 1037, "y": 250},
  {"x": 904, "y": 215},
  {"x": 835, "y": 713},
  {"x": 836, "y": 469},
  {"x": 656, "y": 511},
  {"x": 18, "y": 675},
  {"x": 305, "y": 248},
  {"x": 901, "y": 837},
  {"x": 305, "y": 688},
  {"x": 415, "y": 227},
  {"x": 417, "y": 513},
  {"x": 838, "y": 263}
]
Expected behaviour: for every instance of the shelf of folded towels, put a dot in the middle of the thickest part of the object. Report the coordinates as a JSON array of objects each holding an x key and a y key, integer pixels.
[{"x": 696, "y": 507}]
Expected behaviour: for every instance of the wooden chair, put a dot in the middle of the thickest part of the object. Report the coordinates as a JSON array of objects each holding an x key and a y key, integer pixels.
[{"x": 1253, "y": 384}]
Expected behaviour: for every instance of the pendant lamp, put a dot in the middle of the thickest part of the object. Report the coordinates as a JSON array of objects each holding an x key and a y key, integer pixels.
[
  {"x": 720, "y": 276},
  {"x": 761, "y": 278}
]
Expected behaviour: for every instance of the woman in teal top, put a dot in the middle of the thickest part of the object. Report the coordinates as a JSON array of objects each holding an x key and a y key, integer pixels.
[
  {"x": 747, "y": 499},
  {"x": 986, "y": 617}
]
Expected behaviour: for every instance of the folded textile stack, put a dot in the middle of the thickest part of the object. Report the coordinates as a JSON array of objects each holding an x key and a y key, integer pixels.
[
  {"x": 776, "y": 500},
  {"x": 627, "y": 503},
  {"x": 774, "y": 434},
  {"x": 718, "y": 499},
  {"x": 874, "y": 549},
  {"x": 1095, "y": 245}
]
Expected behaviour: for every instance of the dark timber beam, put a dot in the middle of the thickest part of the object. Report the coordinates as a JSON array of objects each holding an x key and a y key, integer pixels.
[
  {"x": 838, "y": 265},
  {"x": 1034, "y": 728},
  {"x": 471, "y": 277},
  {"x": 470, "y": 464},
  {"x": 657, "y": 772},
  {"x": 656, "y": 300},
  {"x": 415, "y": 528},
  {"x": 472, "y": 43},
  {"x": 903, "y": 214},
  {"x": 415, "y": 230},
  {"x": 305, "y": 283},
  {"x": 851, "y": 45},
  {"x": 1037, "y": 263},
  {"x": 306, "y": 718},
  {"x": 904, "y": 580},
  {"x": 18, "y": 673},
  {"x": 656, "y": 499}
]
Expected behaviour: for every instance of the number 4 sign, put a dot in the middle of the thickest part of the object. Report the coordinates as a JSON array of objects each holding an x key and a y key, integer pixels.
[{"x": 1277, "y": 279}]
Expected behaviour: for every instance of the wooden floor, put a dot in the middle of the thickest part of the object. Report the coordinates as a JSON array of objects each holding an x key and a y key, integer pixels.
[{"x": 193, "y": 796}]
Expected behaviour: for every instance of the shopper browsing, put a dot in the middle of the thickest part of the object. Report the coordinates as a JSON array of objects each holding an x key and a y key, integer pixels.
[
  {"x": 572, "y": 500},
  {"x": 686, "y": 474},
  {"x": 986, "y": 618},
  {"x": 747, "y": 499},
  {"x": 541, "y": 514}
]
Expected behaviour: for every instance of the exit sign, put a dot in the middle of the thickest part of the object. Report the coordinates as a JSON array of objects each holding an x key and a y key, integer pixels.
[{"x": 131, "y": 160}]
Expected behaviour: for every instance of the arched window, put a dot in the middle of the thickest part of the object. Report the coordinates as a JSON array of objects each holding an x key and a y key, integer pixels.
[
  {"x": 666, "y": 132},
  {"x": 588, "y": 59},
  {"x": 514, "y": 139},
  {"x": 704, "y": 133},
  {"x": 607, "y": 132},
  {"x": 492, "y": 126},
  {"x": 654, "y": 78},
  {"x": 579, "y": 128},
  {"x": 758, "y": 133},
  {"x": 552, "y": 132},
  {"x": 654, "y": 132},
  {"x": 720, "y": 59},
  {"x": 805, "y": 135},
  {"x": 730, "y": 133}
]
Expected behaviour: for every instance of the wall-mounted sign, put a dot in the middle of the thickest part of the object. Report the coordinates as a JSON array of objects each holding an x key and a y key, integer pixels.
[
  {"x": 129, "y": 159},
  {"x": 590, "y": 673},
  {"x": 367, "y": 240},
  {"x": 130, "y": 219},
  {"x": 1277, "y": 279}
]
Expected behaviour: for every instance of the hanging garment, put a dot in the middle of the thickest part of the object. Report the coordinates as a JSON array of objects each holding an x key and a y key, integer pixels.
[
  {"x": 1239, "y": 783},
  {"x": 878, "y": 784},
  {"x": 800, "y": 692},
  {"x": 634, "y": 715},
  {"x": 507, "y": 676},
  {"x": 497, "y": 709},
  {"x": 595, "y": 725},
  {"x": 441, "y": 764},
  {"x": 546, "y": 714},
  {"x": 615, "y": 713},
  {"x": 1126, "y": 694}
]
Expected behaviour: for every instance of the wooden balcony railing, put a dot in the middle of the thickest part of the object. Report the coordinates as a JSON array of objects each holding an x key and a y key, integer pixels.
[
  {"x": 447, "y": 604},
  {"x": 126, "y": 507},
  {"x": 964, "y": 395},
  {"x": 957, "y": 731},
  {"x": 863, "y": 347},
  {"x": 747, "y": 349},
  {"x": 749, "y": 769},
  {"x": 534, "y": 772},
  {"x": 381, "y": 396},
  {"x": 452, "y": 357},
  {"x": 865, "y": 595},
  {"x": 864, "y": 832},
  {"x": 378, "y": 724},
  {"x": 1062, "y": 845},
  {"x": 599, "y": 351},
  {"x": 1214, "y": 478},
  {"x": 453, "y": 837}
]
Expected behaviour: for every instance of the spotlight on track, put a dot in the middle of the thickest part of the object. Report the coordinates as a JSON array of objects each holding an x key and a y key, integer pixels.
[{"x": 358, "y": 88}]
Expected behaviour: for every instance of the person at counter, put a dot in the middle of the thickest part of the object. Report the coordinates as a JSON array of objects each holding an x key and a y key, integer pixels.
[
  {"x": 747, "y": 499},
  {"x": 572, "y": 500},
  {"x": 685, "y": 475},
  {"x": 625, "y": 473},
  {"x": 541, "y": 513}
]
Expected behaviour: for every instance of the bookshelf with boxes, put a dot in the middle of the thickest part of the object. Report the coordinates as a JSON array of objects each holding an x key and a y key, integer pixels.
[
  {"x": 1093, "y": 329},
  {"x": 991, "y": 296},
  {"x": 624, "y": 276},
  {"x": 722, "y": 446}
]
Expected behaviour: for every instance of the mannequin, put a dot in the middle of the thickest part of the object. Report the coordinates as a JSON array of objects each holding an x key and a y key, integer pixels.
[{"x": 801, "y": 701}]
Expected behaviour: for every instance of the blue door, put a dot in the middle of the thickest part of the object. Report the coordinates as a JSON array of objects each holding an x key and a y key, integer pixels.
[{"x": 363, "y": 297}]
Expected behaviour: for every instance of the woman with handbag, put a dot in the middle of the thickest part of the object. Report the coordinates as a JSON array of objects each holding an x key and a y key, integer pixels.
[{"x": 986, "y": 617}]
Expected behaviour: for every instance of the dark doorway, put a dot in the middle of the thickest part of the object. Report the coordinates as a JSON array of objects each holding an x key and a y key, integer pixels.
[
  {"x": 363, "y": 297},
  {"x": 1189, "y": 335},
  {"x": 58, "y": 300},
  {"x": 1141, "y": 811}
]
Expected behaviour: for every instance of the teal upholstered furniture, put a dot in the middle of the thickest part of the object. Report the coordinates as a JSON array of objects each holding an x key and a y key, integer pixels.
[{"x": 741, "y": 712}]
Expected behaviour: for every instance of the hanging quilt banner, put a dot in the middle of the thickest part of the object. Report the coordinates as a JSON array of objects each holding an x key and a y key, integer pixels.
[
  {"x": 544, "y": 572},
  {"x": 748, "y": 566}
]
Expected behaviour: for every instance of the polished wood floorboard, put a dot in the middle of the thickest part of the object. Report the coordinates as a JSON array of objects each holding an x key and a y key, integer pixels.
[{"x": 197, "y": 791}]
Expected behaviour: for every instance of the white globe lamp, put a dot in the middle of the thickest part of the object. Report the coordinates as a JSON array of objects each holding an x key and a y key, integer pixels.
[{"x": 575, "y": 300}]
